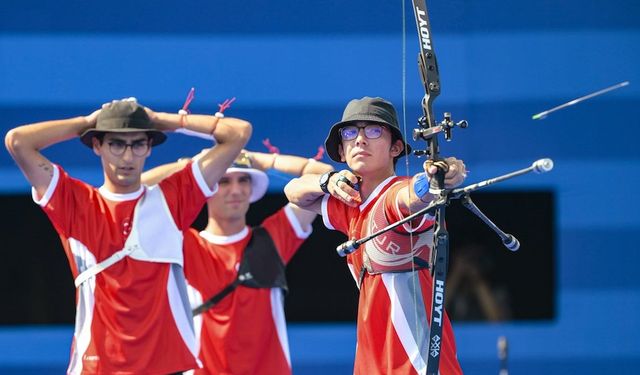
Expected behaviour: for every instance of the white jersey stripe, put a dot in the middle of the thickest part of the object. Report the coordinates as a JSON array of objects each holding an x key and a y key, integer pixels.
[
  {"x": 42, "y": 202},
  {"x": 295, "y": 223},
  {"x": 202, "y": 183},
  {"x": 195, "y": 300},
  {"x": 325, "y": 212},
  {"x": 180, "y": 309},
  {"x": 392, "y": 283},
  {"x": 277, "y": 313},
  {"x": 84, "y": 308}
]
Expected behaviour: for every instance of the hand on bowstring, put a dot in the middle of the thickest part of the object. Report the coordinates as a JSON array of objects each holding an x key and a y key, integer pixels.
[
  {"x": 345, "y": 186},
  {"x": 454, "y": 171}
]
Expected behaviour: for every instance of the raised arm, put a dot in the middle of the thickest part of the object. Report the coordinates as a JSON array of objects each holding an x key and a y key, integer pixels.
[
  {"x": 290, "y": 164},
  {"x": 155, "y": 175},
  {"x": 231, "y": 134},
  {"x": 305, "y": 192},
  {"x": 297, "y": 166},
  {"x": 25, "y": 142}
]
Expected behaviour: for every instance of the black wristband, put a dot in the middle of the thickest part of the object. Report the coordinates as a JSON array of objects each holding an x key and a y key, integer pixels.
[{"x": 324, "y": 181}]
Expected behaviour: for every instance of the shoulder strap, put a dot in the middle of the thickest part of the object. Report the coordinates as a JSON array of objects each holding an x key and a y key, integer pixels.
[
  {"x": 115, "y": 257},
  {"x": 97, "y": 268},
  {"x": 261, "y": 267},
  {"x": 218, "y": 297}
]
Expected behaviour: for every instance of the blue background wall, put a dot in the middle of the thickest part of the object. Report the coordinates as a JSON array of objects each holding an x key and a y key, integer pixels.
[{"x": 293, "y": 65}]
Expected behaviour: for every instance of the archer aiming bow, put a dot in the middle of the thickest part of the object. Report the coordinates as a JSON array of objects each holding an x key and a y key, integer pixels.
[{"x": 428, "y": 131}]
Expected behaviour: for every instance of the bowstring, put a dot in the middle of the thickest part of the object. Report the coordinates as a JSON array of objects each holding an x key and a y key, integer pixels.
[{"x": 407, "y": 169}]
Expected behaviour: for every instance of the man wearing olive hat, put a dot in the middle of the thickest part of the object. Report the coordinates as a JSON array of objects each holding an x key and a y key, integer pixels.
[
  {"x": 124, "y": 239},
  {"x": 395, "y": 295}
]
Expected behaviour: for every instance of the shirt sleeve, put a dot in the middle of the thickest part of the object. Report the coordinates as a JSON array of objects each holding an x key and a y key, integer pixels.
[
  {"x": 286, "y": 232},
  {"x": 65, "y": 201},
  {"x": 393, "y": 212},
  {"x": 186, "y": 193},
  {"x": 335, "y": 214},
  {"x": 203, "y": 267}
]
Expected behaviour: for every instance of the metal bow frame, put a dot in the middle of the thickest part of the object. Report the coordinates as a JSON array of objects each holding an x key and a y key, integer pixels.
[{"x": 428, "y": 130}]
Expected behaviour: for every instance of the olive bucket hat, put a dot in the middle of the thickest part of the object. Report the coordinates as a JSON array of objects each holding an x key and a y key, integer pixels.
[
  {"x": 366, "y": 109},
  {"x": 123, "y": 116}
]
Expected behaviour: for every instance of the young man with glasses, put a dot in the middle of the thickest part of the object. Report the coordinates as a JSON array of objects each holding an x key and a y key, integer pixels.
[
  {"x": 124, "y": 239},
  {"x": 242, "y": 331},
  {"x": 395, "y": 292}
]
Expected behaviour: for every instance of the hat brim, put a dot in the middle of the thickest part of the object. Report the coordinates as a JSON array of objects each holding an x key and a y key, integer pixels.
[
  {"x": 333, "y": 139},
  {"x": 259, "y": 182},
  {"x": 157, "y": 137}
]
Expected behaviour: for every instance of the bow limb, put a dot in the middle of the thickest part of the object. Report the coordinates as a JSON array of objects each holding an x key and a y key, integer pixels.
[{"x": 429, "y": 73}]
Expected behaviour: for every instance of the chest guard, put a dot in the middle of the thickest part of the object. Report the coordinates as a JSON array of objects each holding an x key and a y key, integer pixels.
[
  {"x": 392, "y": 251},
  {"x": 261, "y": 267},
  {"x": 154, "y": 236}
]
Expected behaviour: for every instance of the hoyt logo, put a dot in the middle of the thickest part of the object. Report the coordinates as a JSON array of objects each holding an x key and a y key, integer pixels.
[
  {"x": 424, "y": 30},
  {"x": 435, "y": 346},
  {"x": 439, "y": 300}
]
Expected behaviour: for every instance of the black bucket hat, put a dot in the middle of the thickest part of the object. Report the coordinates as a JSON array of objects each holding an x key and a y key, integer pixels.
[
  {"x": 365, "y": 109},
  {"x": 123, "y": 116}
]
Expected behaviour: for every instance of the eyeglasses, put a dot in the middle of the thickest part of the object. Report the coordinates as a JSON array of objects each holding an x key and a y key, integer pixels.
[
  {"x": 371, "y": 131},
  {"x": 138, "y": 148}
]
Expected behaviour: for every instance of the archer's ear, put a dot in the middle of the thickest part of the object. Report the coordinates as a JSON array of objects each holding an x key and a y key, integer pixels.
[
  {"x": 96, "y": 146},
  {"x": 150, "y": 146},
  {"x": 396, "y": 148},
  {"x": 341, "y": 152}
]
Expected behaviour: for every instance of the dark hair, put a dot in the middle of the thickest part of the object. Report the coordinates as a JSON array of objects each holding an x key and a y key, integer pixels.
[{"x": 99, "y": 137}]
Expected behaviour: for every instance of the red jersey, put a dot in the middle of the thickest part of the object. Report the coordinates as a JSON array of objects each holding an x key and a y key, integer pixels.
[
  {"x": 245, "y": 333},
  {"x": 133, "y": 317},
  {"x": 394, "y": 307}
]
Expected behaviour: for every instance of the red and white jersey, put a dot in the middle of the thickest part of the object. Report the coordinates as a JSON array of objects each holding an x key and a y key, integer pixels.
[
  {"x": 245, "y": 333},
  {"x": 133, "y": 317},
  {"x": 394, "y": 308}
]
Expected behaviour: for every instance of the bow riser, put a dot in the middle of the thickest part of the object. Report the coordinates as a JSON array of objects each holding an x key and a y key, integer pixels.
[
  {"x": 430, "y": 75},
  {"x": 428, "y": 131}
]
